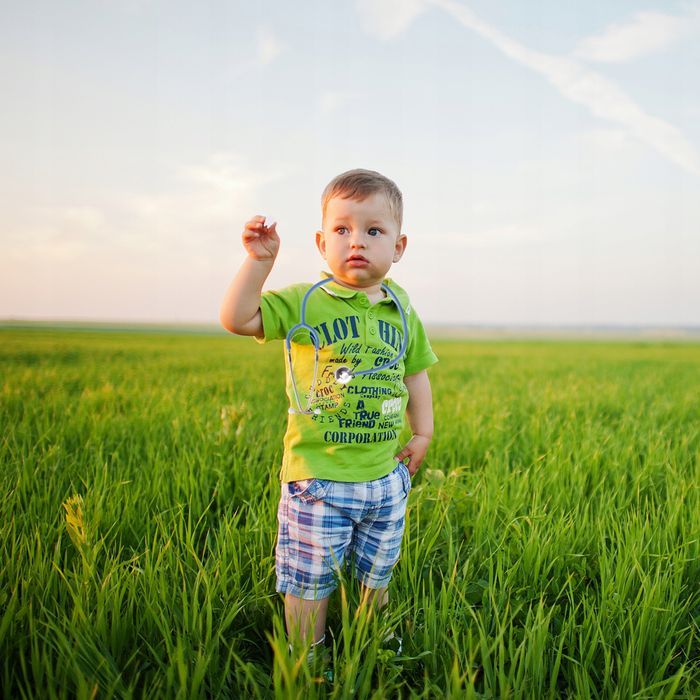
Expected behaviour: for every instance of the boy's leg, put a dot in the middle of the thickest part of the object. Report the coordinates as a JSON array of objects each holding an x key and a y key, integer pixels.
[
  {"x": 312, "y": 538},
  {"x": 377, "y": 538},
  {"x": 376, "y": 598},
  {"x": 305, "y": 618}
]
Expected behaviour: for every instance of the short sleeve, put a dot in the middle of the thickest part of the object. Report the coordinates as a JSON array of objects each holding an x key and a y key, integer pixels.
[
  {"x": 419, "y": 353},
  {"x": 280, "y": 311}
]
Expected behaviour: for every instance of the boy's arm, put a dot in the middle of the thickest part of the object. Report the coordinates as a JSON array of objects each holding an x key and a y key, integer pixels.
[
  {"x": 240, "y": 309},
  {"x": 420, "y": 418}
]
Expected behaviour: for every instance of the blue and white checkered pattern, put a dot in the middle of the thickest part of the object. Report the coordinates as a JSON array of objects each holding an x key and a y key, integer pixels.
[{"x": 324, "y": 523}]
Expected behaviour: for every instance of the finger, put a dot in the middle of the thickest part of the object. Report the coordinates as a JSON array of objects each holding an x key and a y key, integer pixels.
[
  {"x": 251, "y": 235},
  {"x": 256, "y": 221},
  {"x": 403, "y": 454},
  {"x": 260, "y": 233},
  {"x": 270, "y": 231}
]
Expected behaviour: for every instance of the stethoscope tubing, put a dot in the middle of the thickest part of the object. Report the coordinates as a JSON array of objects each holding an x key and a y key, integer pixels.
[{"x": 302, "y": 325}]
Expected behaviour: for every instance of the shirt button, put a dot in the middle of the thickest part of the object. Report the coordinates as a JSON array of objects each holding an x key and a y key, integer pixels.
[
  {"x": 372, "y": 331},
  {"x": 371, "y": 314},
  {"x": 364, "y": 301}
]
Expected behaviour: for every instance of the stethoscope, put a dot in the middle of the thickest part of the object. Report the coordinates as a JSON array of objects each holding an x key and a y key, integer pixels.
[{"x": 343, "y": 374}]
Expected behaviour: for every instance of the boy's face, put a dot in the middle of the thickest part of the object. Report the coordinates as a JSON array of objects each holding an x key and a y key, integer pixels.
[{"x": 360, "y": 240}]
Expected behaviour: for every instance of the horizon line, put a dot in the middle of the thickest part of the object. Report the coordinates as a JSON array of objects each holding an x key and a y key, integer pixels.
[{"x": 446, "y": 330}]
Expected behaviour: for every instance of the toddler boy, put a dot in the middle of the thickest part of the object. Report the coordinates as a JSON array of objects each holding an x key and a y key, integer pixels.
[{"x": 343, "y": 494}]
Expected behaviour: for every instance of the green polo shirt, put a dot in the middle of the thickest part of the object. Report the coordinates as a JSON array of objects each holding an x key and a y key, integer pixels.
[{"x": 356, "y": 434}]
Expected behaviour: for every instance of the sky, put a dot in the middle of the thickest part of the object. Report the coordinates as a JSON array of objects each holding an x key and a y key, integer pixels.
[{"x": 548, "y": 152}]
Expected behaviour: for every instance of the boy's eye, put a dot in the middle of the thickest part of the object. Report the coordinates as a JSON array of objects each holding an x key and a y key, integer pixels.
[
  {"x": 341, "y": 229},
  {"x": 374, "y": 232}
]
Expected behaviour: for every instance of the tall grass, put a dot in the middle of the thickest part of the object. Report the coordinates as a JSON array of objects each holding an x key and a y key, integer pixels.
[{"x": 552, "y": 544}]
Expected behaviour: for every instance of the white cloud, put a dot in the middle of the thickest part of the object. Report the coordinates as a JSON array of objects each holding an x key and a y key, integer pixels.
[
  {"x": 269, "y": 46},
  {"x": 57, "y": 234},
  {"x": 645, "y": 33},
  {"x": 213, "y": 199},
  {"x": 83, "y": 217},
  {"x": 388, "y": 18},
  {"x": 576, "y": 82},
  {"x": 228, "y": 172},
  {"x": 333, "y": 100},
  {"x": 206, "y": 202},
  {"x": 163, "y": 254}
]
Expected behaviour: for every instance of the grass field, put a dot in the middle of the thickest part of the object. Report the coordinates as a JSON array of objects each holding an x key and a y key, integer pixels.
[{"x": 552, "y": 545}]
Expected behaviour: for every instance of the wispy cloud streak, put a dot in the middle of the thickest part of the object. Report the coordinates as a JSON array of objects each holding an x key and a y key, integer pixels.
[
  {"x": 644, "y": 33},
  {"x": 586, "y": 87},
  {"x": 388, "y": 18},
  {"x": 574, "y": 81},
  {"x": 269, "y": 46}
]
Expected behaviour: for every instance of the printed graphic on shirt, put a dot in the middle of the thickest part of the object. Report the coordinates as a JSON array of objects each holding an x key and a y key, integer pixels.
[
  {"x": 339, "y": 329},
  {"x": 368, "y": 409}
]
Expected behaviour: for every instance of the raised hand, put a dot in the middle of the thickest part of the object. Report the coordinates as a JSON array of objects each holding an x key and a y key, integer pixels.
[{"x": 260, "y": 241}]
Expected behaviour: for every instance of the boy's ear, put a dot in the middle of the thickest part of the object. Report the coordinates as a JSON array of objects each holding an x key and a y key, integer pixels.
[
  {"x": 321, "y": 244},
  {"x": 400, "y": 247}
]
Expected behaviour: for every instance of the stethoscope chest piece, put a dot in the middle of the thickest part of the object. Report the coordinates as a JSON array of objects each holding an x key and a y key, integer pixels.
[{"x": 343, "y": 375}]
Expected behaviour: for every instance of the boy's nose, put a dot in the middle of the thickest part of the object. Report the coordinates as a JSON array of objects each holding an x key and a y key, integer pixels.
[{"x": 357, "y": 240}]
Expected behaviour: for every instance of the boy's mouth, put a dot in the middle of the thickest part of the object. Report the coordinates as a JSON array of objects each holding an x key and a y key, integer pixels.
[{"x": 357, "y": 261}]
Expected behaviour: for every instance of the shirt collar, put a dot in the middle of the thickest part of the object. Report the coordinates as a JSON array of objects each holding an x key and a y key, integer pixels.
[{"x": 338, "y": 290}]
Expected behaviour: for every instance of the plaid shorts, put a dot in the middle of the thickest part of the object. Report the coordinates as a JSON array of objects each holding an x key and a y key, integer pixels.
[{"x": 324, "y": 523}]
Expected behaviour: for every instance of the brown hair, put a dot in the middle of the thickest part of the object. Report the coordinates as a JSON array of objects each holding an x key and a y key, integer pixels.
[{"x": 358, "y": 184}]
